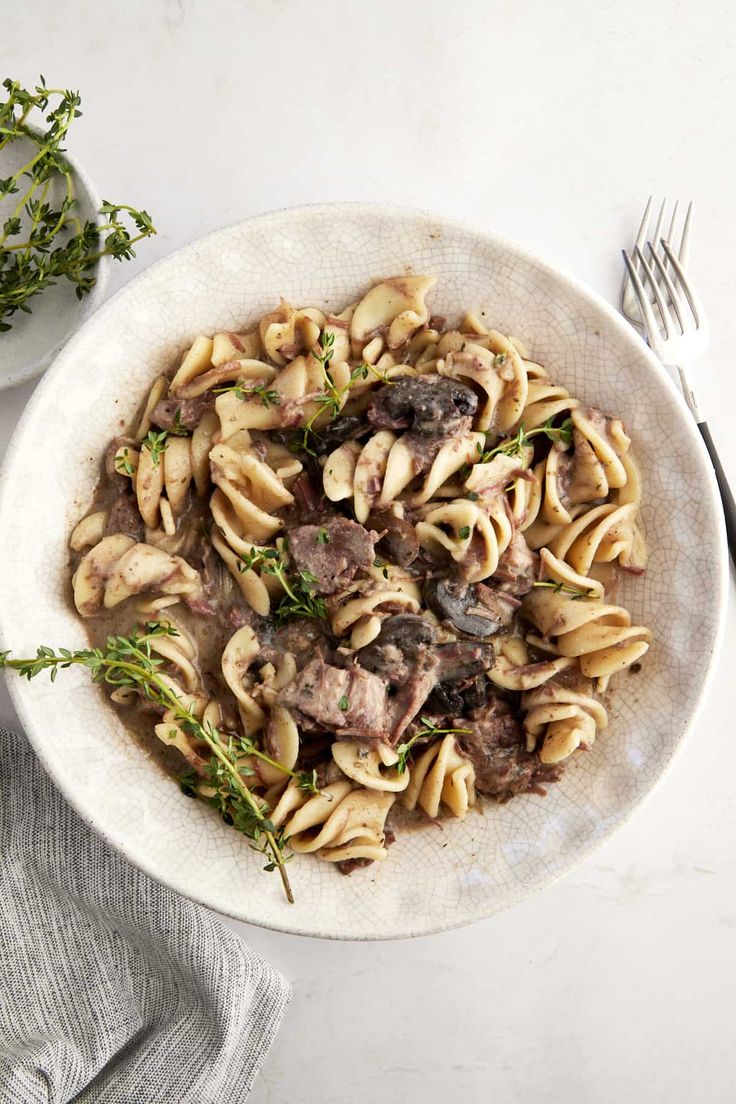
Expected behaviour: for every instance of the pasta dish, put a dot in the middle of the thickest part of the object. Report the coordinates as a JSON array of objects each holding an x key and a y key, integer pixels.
[{"x": 381, "y": 555}]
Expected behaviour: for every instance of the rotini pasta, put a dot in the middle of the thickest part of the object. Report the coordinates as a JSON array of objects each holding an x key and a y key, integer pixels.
[
  {"x": 441, "y": 776},
  {"x": 382, "y": 553}
]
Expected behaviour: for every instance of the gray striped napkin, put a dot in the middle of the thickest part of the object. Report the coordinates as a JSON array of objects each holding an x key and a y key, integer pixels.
[{"x": 113, "y": 989}]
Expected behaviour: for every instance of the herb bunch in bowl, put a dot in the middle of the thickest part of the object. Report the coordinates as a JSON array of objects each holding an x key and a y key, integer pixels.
[{"x": 43, "y": 241}]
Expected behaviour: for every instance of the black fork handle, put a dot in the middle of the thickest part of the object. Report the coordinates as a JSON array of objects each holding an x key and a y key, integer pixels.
[{"x": 729, "y": 506}]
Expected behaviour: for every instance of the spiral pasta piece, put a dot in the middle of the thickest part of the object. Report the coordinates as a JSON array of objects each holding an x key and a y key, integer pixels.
[
  {"x": 599, "y": 635},
  {"x": 600, "y": 535},
  {"x": 374, "y": 768},
  {"x": 338, "y": 823},
  {"x": 396, "y": 307},
  {"x": 118, "y": 567},
  {"x": 563, "y": 718},
  {"x": 248, "y": 491},
  {"x": 382, "y": 469},
  {"x": 476, "y": 365},
  {"x": 161, "y": 480},
  {"x": 240, "y": 651},
  {"x": 361, "y": 614},
  {"x": 475, "y": 534},
  {"x": 513, "y": 669},
  {"x": 441, "y": 776},
  {"x": 545, "y": 400}
]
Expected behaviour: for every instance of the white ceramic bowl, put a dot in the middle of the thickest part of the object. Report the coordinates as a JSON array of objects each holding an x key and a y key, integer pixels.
[
  {"x": 432, "y": 880},
  {"x": 29, "y": 347}
]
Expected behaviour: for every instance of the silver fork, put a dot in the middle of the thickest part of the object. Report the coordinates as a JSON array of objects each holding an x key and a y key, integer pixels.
[
  {"x": 676, "y": 328},
  {"x": 629, "y": 303}
]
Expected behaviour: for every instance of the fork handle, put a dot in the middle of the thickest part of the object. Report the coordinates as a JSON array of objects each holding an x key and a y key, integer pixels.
[{"x": 729, "y": 506}]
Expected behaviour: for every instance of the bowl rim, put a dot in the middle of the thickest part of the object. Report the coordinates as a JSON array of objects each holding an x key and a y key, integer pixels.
[
  {"x": 41, "y": 361},
  {"x": 628, "y": 336}
]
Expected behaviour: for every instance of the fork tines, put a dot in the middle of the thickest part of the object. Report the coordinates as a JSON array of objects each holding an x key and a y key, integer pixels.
[{"x": 659, "y": 232}]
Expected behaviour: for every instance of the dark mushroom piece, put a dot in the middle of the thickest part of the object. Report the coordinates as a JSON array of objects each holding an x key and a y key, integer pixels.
[
  {"x": 399, "y": 543},
  {"x": 423, "y": 404},
  {"x": 461, "y": 605},
  {"x": 344, "y": 428},
  {"x": 400, "y": 641}
]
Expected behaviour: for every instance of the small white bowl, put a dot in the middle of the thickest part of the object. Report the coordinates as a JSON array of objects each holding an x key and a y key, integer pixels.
[
  {"x": 35, "y": 339},
  {"x": 327, "y": 255}
]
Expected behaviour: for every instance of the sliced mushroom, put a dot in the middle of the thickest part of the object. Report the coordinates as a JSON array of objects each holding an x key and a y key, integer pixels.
[
  {"x": 460, "y": 605},
  {"x": 424, "y": 404},
  {"x": 401, "y": 638},
  {"x": 399, "y": 543}
]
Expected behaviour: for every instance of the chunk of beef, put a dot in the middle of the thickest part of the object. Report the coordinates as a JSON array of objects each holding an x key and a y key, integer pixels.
[
  {"x": 463, "y": 686},
  {"x": 347, "y": 866},
  {"x": 310, "y": 504},
  {"x": 304, "y": 639},
  {"x": 501, "y": 605},
  {"x": 412, "y": 693},
  {"x": 463, "y": 660},
  {"x": 496, "y": 746},
  {"x": 332, "y": 552},
  {"x": 190, "y": 411},
  {"x": 124, "y": 517},
  {"x": 517, "y": 567},
  {"x": 347, "y": 701}
]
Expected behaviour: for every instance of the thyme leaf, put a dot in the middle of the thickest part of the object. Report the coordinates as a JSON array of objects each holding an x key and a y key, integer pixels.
[{"x": 155, "y": 443}]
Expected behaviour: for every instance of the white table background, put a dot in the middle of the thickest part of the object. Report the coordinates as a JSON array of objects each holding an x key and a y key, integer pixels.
[{"x": 550, "y": 122}]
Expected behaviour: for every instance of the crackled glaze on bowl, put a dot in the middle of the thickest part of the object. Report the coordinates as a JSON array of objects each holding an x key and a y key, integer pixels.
[{"x": 326, "y": 255}]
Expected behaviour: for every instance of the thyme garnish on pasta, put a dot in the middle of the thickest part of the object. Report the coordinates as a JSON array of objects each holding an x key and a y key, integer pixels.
[
  {"x": 514, "y": 446},
  {"x": 123, "y": 463},
  {"x": 299, "y": 600},
  {"x": 428, "y": 731},
  {"x": 566, "y": 588},
  {"x": 268, "y": 396},
  {"x": 30, "y": 261},
  {"x": 155, "y": 443},
  {"x": 333, "y": 397},
  {"x": 131, "y": 661}
]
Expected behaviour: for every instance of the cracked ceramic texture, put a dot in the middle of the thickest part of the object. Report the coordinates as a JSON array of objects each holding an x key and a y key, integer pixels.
[{"x": 327, "y": 256}]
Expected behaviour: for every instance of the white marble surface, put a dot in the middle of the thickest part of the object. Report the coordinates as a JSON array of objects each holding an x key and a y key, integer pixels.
[{"x": 550, "y": 123}]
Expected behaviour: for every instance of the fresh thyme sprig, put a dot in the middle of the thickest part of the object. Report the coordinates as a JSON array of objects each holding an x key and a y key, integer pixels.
[
  {"x": 428, "y": 731},
  {"x": 268, "y": 396},
  {"x": 326, "y": 345},
  {"x": 332, "y": 399},
  {"x": 567, "y": 588},
  {"x": 155, "y": 443},
  {"x": 514, "y": 446},
  {"x": 242, "y": 747},
  {"x": 132, "y": 661},
  {"x": 28, "y": 263},
  {"x": 299, "y": 599}
]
